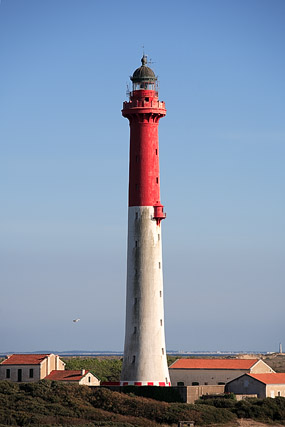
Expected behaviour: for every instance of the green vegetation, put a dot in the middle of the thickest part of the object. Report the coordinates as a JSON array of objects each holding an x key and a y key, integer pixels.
[
  {"x": 264, "y": 410},
  {"x": 51, "y": 403},
  {"x": 105, "y": 369}
]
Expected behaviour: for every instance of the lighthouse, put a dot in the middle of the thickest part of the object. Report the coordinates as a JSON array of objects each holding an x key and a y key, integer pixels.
[{"x": 145, "y": 360}]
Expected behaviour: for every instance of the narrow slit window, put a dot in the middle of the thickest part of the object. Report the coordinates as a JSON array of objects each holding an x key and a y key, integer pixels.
[
  {"x": 159, "y": 265},
  {"x": 160, "y": 294},
  {"x": 137, "y": 186},
  {"x": 135, "y": 329},
  {"x": 137, "y": 215},
  {"x": 158, "y": 237},
  {"x": 134, "y": 359},
  {"x": 157, "y": 179},
  {"x": 137, "y": 159},
  {"x": 162, "y": 350},
  {"x": 156, "y": 151},
  {"x": 135, "y": 300},
  {"x": 160, "y": 322},
  {"x": 136, "y": 243}
]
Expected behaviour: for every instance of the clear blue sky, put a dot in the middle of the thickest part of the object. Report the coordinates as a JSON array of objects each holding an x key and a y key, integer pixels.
[{"x": 64, "y": 66}]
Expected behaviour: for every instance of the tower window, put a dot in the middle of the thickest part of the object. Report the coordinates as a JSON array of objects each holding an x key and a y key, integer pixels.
[
  {"x": 160, "y": 322},
  {"x": 135, "y": 329},
  {"x": 137, "y": 215},
  {"x": 137, "y": 186},
  {"x": 159, "y": 265},
  {"x": 135, "y": 301},
  {"x": 136, "y": 243},
  {"x": 162, "y": 350},
  {"x": 156, "y": 151},
  {"x": 160, "y": 293},
  {"x": 137, "y": 159},
  {"x": 158, "y": 237},
  {"x": 157, "y": 179},
  {"x": 134, "y": 359}
]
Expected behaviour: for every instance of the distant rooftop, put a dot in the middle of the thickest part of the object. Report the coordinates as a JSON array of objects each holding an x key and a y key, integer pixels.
[
  {"x": 24, "y": 359},
  {"x": 66, "y": 375},
  {"x": 213, "y": 363}
]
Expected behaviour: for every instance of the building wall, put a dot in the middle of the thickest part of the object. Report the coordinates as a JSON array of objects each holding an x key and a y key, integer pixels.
[
  {"x": 203, "y": 376},
  {"x": 193, "y": 393},
  {"x": 89, "y": 380},
  {"x": 247, "y": 385},
  {"x": 25, "y": 370},
  {"x": 275, "y": 390},
  {"x": 40, "y": 371},
  {"x": 51, "y": 363},
  {"x": 213, "y": 376},
  {"x": 261, "y": 368}
]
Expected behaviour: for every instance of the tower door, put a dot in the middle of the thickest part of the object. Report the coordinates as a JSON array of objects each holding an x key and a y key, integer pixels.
[{"x": 19, "y": 375}]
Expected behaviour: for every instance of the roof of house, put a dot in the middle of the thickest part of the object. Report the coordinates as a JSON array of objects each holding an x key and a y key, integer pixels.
[
  {"x": 24, "y": 359},
  {"x": 274, "y": 378},
  {"x": 66, "y": 375},
  {"x": 213, "y": 363}
]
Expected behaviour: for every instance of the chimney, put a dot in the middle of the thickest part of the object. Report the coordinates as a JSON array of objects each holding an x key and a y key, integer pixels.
[{"x": 83, "y": 371}]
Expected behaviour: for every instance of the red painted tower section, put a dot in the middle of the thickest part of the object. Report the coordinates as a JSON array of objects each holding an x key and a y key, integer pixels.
[{"x": 144, "y": 353}]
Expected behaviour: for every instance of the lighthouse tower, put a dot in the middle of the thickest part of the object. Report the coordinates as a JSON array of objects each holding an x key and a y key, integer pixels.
[{"x": 144, "y": 352}]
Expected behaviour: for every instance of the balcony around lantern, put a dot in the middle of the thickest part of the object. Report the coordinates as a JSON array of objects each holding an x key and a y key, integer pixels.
[{"x": 148, "y": 101}]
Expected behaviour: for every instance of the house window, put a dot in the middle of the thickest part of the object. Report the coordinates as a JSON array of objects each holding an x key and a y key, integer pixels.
[
  {"x": 279, "y": 393},
  {"x": 8, "y": 373},
  {"x": 206, "y": 383},
  {"x": 89, "y": 379},
  {"x": 19, "y": 375},
  {"x": 195, "y": 383},
  {"x": 180, "y": 383},
  {"x": 221, "y": 383},
  {"x": 31, "y": 373}
]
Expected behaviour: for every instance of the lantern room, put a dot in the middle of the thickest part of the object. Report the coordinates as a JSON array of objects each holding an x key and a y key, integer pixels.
[{"x": 143, "y": 77}]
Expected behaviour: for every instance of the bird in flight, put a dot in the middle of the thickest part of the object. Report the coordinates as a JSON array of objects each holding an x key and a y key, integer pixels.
[{"x": 76, "y": 320}]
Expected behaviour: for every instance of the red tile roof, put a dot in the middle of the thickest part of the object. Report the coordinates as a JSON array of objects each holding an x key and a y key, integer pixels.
[
  {"x": 213, "y": 363},
  {"x": 24, "y": 359},
  {"x": 66, "y": 375},
  {"x": 273, "y": 378}
]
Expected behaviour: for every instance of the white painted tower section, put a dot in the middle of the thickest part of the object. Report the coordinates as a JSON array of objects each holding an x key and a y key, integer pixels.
[{"x": 144, "y": 353}]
